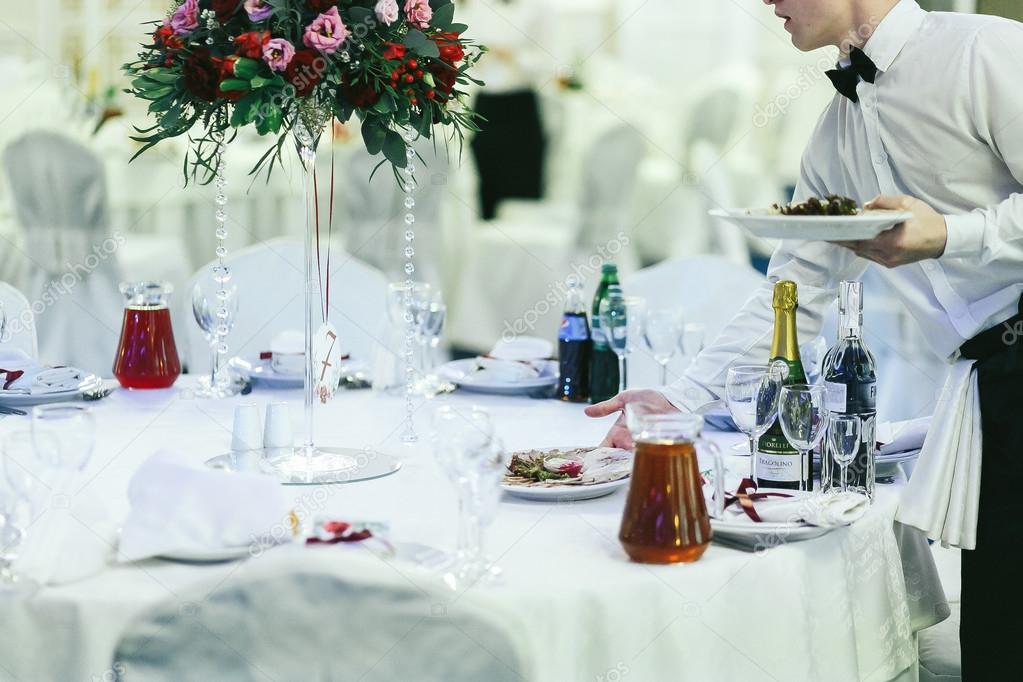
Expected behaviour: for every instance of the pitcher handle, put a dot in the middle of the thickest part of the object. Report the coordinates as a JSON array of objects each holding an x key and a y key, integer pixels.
[{"x": 719, "y": 475}]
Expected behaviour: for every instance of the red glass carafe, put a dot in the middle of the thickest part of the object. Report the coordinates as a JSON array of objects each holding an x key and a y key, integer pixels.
[{"x": 146, "y": 355}]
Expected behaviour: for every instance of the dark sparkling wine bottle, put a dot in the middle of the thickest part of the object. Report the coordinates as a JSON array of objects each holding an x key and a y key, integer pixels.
[
  {"x": 850, "y": 380},
  {"x": 574, "y": 346},
  {"x": 603, "y": 361},
  {"x": 778, "y": 463}
]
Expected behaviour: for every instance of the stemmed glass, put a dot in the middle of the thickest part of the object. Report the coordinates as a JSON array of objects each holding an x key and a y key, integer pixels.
[
  {"x": 660, "y": 335},
  {"x": 465, "y": 446},
  {"x": 613, "y": 314},
  {"x": 420, "y": 299},
  {"x": 690, "y": 341},
  {"x": 216, "y": 324},
  {"x": 844, "y": 439},
  {"x": 801, "y": 413},
  {"x": 751, "y": 393},
  {"x": 635, "y": 317},
  {"x": 17, "y": 486},
  {"x": 429, "y": 317}
]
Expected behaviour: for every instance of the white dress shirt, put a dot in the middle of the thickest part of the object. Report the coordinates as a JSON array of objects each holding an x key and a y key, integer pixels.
[{"x": 943, "y": 122}]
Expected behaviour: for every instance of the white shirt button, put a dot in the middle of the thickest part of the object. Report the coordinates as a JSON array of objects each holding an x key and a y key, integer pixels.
[
  {"x": 868, "y": 103},
  {"x": 930, "y": 267},
  {"x": 880, "y": 159}
]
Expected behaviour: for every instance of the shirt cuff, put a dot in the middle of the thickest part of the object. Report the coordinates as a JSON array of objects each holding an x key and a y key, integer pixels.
[
  {"x": 688, "y": 396},
  {"x": 965, "y": 235}
]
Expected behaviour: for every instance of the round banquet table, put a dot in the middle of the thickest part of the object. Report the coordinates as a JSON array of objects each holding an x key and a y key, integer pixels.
[{"x": 845, "y": 606}]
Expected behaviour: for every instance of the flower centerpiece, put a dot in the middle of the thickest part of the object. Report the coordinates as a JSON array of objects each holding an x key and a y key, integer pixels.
[{"x": 217, "y": 65}]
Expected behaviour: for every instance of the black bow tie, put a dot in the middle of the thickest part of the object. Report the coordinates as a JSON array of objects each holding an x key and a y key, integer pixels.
[{"x": 846, "y": 78}]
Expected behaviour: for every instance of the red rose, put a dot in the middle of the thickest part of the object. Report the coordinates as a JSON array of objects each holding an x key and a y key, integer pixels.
[
  {"x": 304, "y": 71},
  {"x": 361, "y": 94},
  {"x": 320, "y": 6},
  {"x": 161, "y": 35},
  {"x": 251, "y": 44},
  {"x": 225, "y": 69},
  {"x": 444, "y": 76},
  {"x": 394, "y": 51},
  {"x": 200, "y": 74},
  {"x": 225, "y": 9},
  {"x": 451, "y": 50}
]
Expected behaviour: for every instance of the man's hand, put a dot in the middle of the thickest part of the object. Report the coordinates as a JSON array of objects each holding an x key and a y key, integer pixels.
[
  {"x": 619, "y": 436},
  {"x": 921, "y": 237}
]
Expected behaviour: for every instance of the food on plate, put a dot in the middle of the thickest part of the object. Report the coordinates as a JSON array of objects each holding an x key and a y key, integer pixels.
[
  {"x": 568, "y": 466},
  {"x": 832, "y": 204}
]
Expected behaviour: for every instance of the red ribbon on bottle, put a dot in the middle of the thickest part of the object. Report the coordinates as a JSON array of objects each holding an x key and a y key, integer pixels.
[{"x": 745, "y": 498}]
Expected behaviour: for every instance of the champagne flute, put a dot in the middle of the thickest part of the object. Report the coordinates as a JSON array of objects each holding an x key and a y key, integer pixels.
[
  {"x": 660, "y": 334},
  {"x": 215, "y": 307},
  {"x": 801, "y": 413},
  {"x": 844, "y": 439},
  {"x": 613, "y": 314},
  {"x": 690, "y": 341},
  {"x": 751, "y": 393}
]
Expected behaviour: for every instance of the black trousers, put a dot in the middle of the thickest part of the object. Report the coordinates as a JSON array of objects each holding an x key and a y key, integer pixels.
[
  {"x": 992, "y": 597},
  {"x": 509, "y": 148}
]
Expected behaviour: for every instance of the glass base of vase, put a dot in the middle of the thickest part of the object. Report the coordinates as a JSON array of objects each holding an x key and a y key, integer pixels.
[
  {"x": 219, "y": 389},
  {"x": 310, "y": 466}
]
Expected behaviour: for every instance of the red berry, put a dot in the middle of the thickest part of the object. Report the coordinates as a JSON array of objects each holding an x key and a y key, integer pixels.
[
  {"x": 430, "y": 94},
  {"x": 409, "y": 78},
  {"x": 394, "y": 75},
  {"x": 419, "y": 73},
  {"x": 412, "y": 64},
  {"x": 415, "y": 102},
  {"x": 410, "y": 93}
]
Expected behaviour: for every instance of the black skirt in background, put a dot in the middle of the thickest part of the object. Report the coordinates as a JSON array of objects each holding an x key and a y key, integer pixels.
[{"x": 509, "y": 150}]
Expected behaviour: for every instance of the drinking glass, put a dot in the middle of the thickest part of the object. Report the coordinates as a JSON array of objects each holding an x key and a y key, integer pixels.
[
  {"x": 801, "y": 413},
  {"x": 420, "y": 296},
  {"x": 665, "y": 518},
  {"x": 814, "y": 353},
  {"x": 635, "y": 316},
  {"x": 16, "y": 489},
  {"x": 63, "y": 435},
  {"x": 216, "y": 324},
  {"x": 470, "y": 454},
  {"x": 660, "y": 335},
  {"x": 844, "y": 439},
  {"x": 690, "y": 341},
  {"x": 429, "y": 317},
  {"x": 751, "y": 393},
  {"x": 613, "y": 314},
  {"x": 3, "y": 323}
]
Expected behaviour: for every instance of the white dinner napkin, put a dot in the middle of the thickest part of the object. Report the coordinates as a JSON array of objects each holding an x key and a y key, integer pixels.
[
  {"x": 825, "y": 511},
  {"x": 518, "y": 359},
  {"x": 37, "y": 379},
  {"x": 902, "y": 436},
  {"x": 177, "y": 507},
  {"x": 943, "y": 495}
]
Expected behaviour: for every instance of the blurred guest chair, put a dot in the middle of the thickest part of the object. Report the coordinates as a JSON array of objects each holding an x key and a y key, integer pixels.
[
  {"x": 17, "y": 321},
  {"x": 271, "y": 299}
]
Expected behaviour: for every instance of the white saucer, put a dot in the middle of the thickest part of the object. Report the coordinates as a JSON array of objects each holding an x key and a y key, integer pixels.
[
  {"x": 463, "y": 374},
  {"x": 208, "y": 556},
  {"x": 744, "y": 531},
  {"x": 761, "y": 222},
  {"x": 13, "y": 399},
  {"x": 564, "y": 493}
]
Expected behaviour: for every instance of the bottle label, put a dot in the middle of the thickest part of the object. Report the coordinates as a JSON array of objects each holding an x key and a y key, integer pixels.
[
  {"x": 834, "y": 396},
  {"x": 597, "y": 334},
  {"x": 783, "y": 468},
  {"x": 855, "y": 398}
]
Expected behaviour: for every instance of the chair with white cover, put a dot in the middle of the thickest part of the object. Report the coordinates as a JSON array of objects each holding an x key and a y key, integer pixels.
[
  {"x": 319, "y": 623},
  {"x": 271, "y": 299},
  {"x": 17, "y": 320},
  {"x": 59, "y": 196},
  {"x": 707, "y": 290}
]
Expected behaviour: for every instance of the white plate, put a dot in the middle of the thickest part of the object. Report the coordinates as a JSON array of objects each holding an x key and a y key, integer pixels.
[
  {"x": 13, "y": 399},
  {"x": 745, "y": 531},
  {"x": 760, "y": 222},
  {"x": 260, "y": 371},
  {"x": 208, "y": 556},
  {"x": 462, "y": 373},
  {"x": 564, "y": 493}
]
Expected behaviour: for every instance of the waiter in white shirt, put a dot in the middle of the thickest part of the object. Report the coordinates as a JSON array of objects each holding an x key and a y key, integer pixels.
[{"x": 928, "y": 118}]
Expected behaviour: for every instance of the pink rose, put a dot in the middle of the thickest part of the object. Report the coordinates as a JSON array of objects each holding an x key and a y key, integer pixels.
[
  {"x": 386, "y": 11},
  {"x": 185, "y": 18},
  {"x": 326, "y": 33},
  {"x": 277, "y": 54},
  {"x": 258, "y": 10},
  {"x": 418, "y": 13}
]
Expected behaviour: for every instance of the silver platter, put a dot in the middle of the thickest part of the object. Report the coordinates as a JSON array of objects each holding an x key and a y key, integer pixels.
[{"x": 296, "y": 466}]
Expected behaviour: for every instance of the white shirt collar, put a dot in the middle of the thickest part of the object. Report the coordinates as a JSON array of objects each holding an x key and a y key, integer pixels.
[{"x": 892, "y": 34}]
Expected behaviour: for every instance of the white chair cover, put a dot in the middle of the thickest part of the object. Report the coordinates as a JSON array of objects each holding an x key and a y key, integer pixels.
[
  {"x": 20, "y": 328},
  {"x": 59, "y": 195},
  {"x": 271, "y": 285},
  {"x": 316, "y": 625},
  {"x": 707, "y": 290}
]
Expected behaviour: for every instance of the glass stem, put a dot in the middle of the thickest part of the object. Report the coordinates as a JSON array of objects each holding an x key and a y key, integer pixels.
[
  {"x": 845, "y": 484},
  {"x": 621, "y": 373},
  {"x": 307, "y": 154},
  {"x": 213, "y": 365},
  {"x": 752, "y": 457},
  {"x": 664, "y": 374}
]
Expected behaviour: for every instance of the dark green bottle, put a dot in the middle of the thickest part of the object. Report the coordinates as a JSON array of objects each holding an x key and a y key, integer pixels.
[{"x": 603, "y": 361}]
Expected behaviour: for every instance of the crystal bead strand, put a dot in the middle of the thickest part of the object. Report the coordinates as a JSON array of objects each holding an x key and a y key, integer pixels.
[
  {"x": 409, "y": 436},
  {"x": 222, "y": 274}
]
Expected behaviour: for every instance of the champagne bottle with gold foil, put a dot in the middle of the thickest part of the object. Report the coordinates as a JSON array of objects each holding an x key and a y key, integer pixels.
[{"x": 777, "y": 463}]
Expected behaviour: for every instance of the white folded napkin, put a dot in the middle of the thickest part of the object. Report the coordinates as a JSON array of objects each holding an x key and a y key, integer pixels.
[
  {"x": 902, "y": 436},
  {"x": 825, "y": 511},
  {"x": 523, "y": 349},
  {"x": 177, "y": 507},
  {"x": 943, "y": 495},
  {"x": 36, "y": 379},
  {"x": 518, "y": 359}
]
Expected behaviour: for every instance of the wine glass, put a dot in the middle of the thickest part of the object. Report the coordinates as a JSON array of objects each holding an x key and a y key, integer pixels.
[
  {"x": 660, "y": 335},
  {"x": 635, "y": 316},
  {"x": 690, "y": 341},
  {"x": 813, "y": 353},
  {"x": 751, "y": 393},
  {"x": 468, "y": 451},
  {"x": 801, "y": 413},
  {"x": 215, "y": 307},
  {"x": 613, "y": 314},
  {"x": 844, "y": 441},
  {"x": 17, "y": 487},
  {"x": 419, "y": 295}
]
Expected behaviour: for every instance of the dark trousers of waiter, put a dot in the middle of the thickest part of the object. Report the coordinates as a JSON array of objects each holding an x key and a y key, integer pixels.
[{"x": 991, "y": 628}]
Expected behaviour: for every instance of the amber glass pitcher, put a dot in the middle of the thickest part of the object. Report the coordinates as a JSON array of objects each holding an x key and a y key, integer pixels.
[{"x": 665, "y": 519}]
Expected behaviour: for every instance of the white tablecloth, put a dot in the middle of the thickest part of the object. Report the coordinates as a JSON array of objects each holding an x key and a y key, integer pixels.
[{"x": 842, "y": 607}]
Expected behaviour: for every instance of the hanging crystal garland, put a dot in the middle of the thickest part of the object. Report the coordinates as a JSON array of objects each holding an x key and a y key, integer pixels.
[
  {"x": 221, "y": 273},
  {"x": 410, "y": 268}
]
